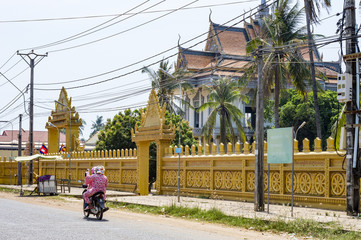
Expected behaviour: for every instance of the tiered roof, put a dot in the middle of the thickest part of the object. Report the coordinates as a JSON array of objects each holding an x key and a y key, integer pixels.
[{"x": 225, "y": 53}]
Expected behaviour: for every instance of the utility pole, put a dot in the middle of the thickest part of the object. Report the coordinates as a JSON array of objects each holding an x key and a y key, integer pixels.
[
  {"x": 20, "y": 177},
  {"x": 259, "y": 151},
  {"x": 31, "y": 62},
  {"x": 352, "y": 169},
  {"x": 313, "y": 74}
]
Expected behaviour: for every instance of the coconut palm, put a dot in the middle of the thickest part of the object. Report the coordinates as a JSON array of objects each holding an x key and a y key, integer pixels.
[
  {"x": 283, "y": 66},
  {"x": 312, "y": 9},
  {"x": 223, "y": 92},
  {"x": 97, "y": 125},
  {"x": 166, "y": 82},
  {"x": 161, "y": 82}
]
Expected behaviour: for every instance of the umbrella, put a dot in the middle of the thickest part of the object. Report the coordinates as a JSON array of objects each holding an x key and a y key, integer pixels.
[{"x": 37, "y": 156}]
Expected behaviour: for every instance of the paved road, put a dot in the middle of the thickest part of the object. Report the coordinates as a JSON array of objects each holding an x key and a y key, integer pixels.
[{"x": 19, "y": 220}]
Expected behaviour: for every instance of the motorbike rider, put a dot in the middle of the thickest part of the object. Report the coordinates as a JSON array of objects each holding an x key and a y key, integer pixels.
[{"x": 96, "y": 182}]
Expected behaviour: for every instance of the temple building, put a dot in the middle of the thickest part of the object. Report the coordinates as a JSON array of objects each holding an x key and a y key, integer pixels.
[{"x": 225, "y": 55}]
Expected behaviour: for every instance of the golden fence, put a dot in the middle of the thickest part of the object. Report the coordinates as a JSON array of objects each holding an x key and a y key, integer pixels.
[
  {"x": 320, "y": 179},
  {"x": 215, "y": 172},
  {"x": 120, "y": 165}
]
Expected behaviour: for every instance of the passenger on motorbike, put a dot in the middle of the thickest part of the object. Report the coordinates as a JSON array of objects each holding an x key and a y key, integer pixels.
[{"x": 96, "y": 182}]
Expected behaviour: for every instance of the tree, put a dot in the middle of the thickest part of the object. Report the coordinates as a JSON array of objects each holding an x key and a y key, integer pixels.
[
  {"x": 187, "y": 137},
  {"x": 81, "y": 129},
  {"x": 223, "y": 93},
  {"x": 295, "y": 109},
  {"x": 312, "y": 9},
  {"x": 117, "y": 132},
  {"x": 163, "y": 83},
  {"x": 97, "y": 125},
  {"x": 166, "y": 82},
  {"x": 282, "y": 66},
  {"x": 117, "y": 135}
]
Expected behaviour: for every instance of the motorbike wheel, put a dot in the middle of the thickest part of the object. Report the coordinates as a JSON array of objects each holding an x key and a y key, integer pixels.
[{"x": 99, "y": 214}]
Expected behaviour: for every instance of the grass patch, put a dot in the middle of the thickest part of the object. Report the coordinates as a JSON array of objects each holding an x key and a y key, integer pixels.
[
  {"x": 13, "y": 190},
  {"x": 300, "y": 227},
  {"x": 2, "y": 189}
]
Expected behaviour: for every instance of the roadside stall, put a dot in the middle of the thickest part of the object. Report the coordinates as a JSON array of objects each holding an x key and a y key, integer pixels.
[{"x": 45, "y": 184}]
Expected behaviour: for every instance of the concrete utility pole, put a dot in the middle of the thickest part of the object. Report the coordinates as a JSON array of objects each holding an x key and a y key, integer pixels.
[
  {"x": 31, "y": 57},
  {"x": 20, "y": 177},
  {"x": 313, "y": 73},
  {"x": 259, "y": 151},
  {"x": 352, "y": 174}
]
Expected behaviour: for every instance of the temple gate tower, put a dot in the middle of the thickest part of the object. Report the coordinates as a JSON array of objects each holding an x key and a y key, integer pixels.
[
  {"x": 152, "y": 128},
  {"x": 66, "y": 117}
]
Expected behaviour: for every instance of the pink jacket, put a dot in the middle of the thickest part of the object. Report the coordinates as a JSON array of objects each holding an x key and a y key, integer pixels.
[{"x": 96, "y": 183}]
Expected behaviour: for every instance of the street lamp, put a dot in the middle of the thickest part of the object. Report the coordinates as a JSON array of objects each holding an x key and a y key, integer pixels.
[
  {"x": 11, "y": 158},
  {"x": 69, "y": 153},
  {"x": 51, "y": 124},
  {"x": 293, "y": 163}
]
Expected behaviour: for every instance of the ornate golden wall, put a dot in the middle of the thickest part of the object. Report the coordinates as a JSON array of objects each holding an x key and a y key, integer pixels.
[
  {"x": 120, "y": 165},
  {"x": 319, "y": 175}
]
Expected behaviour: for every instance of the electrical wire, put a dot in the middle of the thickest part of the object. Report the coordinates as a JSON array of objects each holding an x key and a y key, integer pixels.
[
  {"x": 16, "y": 88},
  {"x": 148, "y": 58},
  {"x": 131, "y": 94},
  {"x": 12, "y": 66},
  {"x": 11, "y": 102},
  {"x": 156, "y": 55},
  {"x": 124, "y": 31},
  {"x": 168, "y": 83},
  {"x": 112, "y": 15},
  {"x": 89, "y": 31},
  {"x": 7, "y": 60}
]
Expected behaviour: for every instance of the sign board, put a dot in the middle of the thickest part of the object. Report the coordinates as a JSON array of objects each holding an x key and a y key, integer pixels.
[
  {"x": 280, "y": 145},
  {"x": 178, "y": 150}
]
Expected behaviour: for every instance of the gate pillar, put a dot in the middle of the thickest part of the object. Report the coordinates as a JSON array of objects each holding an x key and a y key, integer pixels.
[{"x": 152, "y": 128}]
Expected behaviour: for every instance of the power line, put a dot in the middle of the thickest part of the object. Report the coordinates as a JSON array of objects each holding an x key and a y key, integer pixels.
[
  {"x": 16, "y": 88},
  {"x": 138, "y": 91},
  {"x": 148, "y": 58},
  {"x": 116, "y": 34},
  {"x": 112, "y": 15},
  {"x": 12, "y": 66},
  {"x": 89, "y": 31},
  {"x": 37, "y": 61},
  {"x": 8, "y": 60},
  {"x": 7, "y": 106}
]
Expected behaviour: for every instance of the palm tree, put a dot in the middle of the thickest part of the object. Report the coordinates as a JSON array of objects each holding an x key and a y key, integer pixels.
[
  {"x": 282, "y": 65},
  {"x": 223, "y": 92},
  {"x": 162, "y": 82},
  {"x": 81, "y": 127},
  {"x": 97, "y": 125},
  {"x": 166, "y": 82},
  {"x": 312, "y": 9}
]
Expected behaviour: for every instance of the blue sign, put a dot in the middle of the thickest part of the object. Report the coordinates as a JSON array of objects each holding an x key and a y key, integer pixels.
[{"x": 178, "y": 150}]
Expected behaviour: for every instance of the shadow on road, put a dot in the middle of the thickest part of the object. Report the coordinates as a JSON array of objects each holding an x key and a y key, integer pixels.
[{"x": 95, "y": 220}]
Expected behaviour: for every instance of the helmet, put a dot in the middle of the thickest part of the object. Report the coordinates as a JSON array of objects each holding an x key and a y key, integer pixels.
[{"x": 101, "y": 170}]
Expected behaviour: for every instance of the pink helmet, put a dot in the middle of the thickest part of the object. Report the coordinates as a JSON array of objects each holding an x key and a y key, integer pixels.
[{"x": 100, "y": 170}]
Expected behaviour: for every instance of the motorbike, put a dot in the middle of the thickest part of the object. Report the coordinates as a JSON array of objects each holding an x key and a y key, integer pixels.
[{"x": 97, "y": 200}]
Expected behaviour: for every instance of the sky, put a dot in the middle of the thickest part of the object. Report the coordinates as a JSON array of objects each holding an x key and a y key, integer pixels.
[{"x": 100, "y": 68}]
